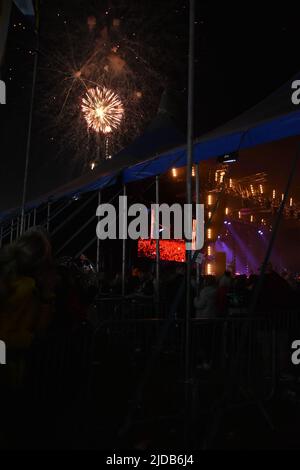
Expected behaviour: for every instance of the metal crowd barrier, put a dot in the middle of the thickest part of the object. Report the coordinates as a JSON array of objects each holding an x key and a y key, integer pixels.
[
  {"x": 109, "y": 362},
  {"x": 126, "y": 308}
]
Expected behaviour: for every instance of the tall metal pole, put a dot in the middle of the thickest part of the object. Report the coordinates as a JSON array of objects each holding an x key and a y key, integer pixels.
[
  {"x": 198, "y": 202},
  {"x": 48, "y": 216},
  {"x": 11, "y": 230},
  {"x": 25, "y": 181},
  {"x": 190, "y": 135},
  {"x": 34, "y": 217},
  {"x": 29, "y": 220},
  {"x": 98, "y": 240},
  {"x": 124, "y": 252},
  {"x": 157, "y": 290},
  {"x": 18, "y": 227}
]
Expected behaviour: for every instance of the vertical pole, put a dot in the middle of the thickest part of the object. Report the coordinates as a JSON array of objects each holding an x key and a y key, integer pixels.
[
  {"x": 98, "y": 240},
  {"x": 11, "y": 230},
  {"x": 29, "y": 220},
  {"x": 190, "y": 135},
  {"x": 124, "y": 252},
  {"x": 25, "y": 180},
  {"x": 198, "y": 202},
  {"x": 48, "y": 216},
  {"x": 1, "y": 236},
  {"x": 34, "y": 217},
  {"x": 18, "y": 227},
  {"x": 157, "y": 290}
]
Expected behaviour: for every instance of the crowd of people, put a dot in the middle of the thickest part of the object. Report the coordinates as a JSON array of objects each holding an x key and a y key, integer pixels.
[
  {"x": 40, "y": 294},
  {"x": 230, "y": 295}
]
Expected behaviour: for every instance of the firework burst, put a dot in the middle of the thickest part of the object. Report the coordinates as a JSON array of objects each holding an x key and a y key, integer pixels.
[
  {"x": 103, "y": 110},
  {"x": 104, "y": 78}
]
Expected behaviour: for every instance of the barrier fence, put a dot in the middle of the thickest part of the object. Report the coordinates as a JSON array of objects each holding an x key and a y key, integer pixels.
[{"x": 104, "y": 366}]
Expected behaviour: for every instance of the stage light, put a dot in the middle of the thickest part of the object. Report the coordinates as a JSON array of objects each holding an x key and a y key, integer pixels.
[
  {"x": 93, "y": 165},
  {"x": 229, "y": 158},
  {"x": 227, "y": 211},
  {"x": 261, "y": 189},
  {"x": 209, "y": 251},
  {"x": 209, "y": 269},
  {"x": 209, "y": 215},
  {"x": 274, "y": 194},
  {"x": 174, "y": 173},
  {"x": 193, "y": 172},
  {"x": 222, "y": 177},
  {"x": 252, "y": 218},
  {"x": 282, "y": 197},
  {"x": 230, "y": 183},
  {"x": 210, "y": 200},
  {"x": 240, "y": 215},
  {"x": 291, "y": 202},
  {"x": 252, "y": 190},
  {"x": 209, "y": 233}
]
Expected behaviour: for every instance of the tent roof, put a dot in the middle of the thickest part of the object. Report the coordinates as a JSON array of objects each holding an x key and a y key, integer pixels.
[
  {"x": 273, "y": 119},
  {"x": 160, "y": 135},
  {"x": 161, "y": 147}
]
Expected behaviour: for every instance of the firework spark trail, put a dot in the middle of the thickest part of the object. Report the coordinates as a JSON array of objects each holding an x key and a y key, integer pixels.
[
  {"x": 117, "y": 52},
  {"x": 102, "y": 109}
]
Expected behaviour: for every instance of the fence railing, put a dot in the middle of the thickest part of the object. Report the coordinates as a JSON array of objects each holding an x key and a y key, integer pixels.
[{"x": 107, "y": 363}]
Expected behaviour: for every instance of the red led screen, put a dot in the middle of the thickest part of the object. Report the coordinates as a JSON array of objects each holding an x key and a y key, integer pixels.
[{"x": 170, "y": 250}]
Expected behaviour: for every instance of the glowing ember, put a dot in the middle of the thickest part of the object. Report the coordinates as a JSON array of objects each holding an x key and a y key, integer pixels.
[{"x": 102, "y": 109}]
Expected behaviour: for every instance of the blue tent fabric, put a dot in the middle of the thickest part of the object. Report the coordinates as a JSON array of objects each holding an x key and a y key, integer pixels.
[
  {"x": 273, "y": 119},
  {"x": 161, "y": 147},
  {"x": 160, "y": 135},
  {"x": 206, "y": 148},
  {"x": 67, "y": 191},
  {"x": 26, "y": 7}
]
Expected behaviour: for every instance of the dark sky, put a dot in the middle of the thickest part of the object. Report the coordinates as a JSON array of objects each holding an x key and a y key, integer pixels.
[{"x": 242, "y": 54}]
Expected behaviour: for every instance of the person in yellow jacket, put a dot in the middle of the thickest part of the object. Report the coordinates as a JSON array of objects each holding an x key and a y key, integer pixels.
[{"x": 25, "y": 295}]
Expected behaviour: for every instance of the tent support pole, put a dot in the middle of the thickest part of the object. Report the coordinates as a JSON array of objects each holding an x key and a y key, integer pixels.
[
  {"x": 124, "y": 253},
  {"x": 190, "y": 135},
  {"x": 48, "y": 216},
  {"x": 198, "y": 272},
  {"x": 11, "y": 230},
  {"x": 25, "y": 180},
  {"x": 157, "y": 287},
  {"x": 98, "y": 240}
]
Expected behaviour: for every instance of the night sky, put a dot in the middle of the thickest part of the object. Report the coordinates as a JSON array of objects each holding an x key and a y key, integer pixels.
[{"x": 242, "y": 54}]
